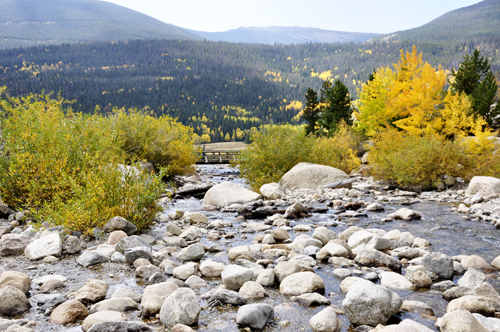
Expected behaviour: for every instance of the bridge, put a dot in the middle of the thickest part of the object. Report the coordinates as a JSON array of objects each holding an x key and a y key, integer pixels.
[{"x": 218, "y": 156}]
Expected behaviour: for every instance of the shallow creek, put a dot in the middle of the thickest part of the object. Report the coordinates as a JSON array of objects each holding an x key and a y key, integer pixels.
[{"x": 446, "y": 230}]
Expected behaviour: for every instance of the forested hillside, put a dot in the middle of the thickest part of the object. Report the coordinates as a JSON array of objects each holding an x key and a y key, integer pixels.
[
  {"x": 221, "y": 89},
  {"x": 34, "y": 22},
  {"x": 481, "y": 20}
]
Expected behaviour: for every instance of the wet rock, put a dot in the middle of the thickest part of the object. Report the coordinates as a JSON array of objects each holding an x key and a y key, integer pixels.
[
  {"x": 16, "y": 279},
  {"x": 173, "y": 229},
  {"x": 375, "y": 207},
  {"x": 118, "y": 258},
  {"x": 185, "y": 271},
  {"x": 255, "y": 315},
  {"x": 421, "y": 280},
  {"x": 194, "y": 218},
  {"x": 395, "y": 281},
  {"x": 18, "y": 328},
  {"x": 174, "y": 241},
  {"x": 49, "y": 245},
  {"x": 370, "y": 304},
  {"x": 154, "y": 296},
  {"x": 491, "y": 324},
  {"x": 266, "y": 278},
  {"x": 456, "y": 292},
  {"x": 306, "y": 175},
  {"x": 130, "y": 242},
  {"x": 91, "y": 292},
  {"x": 68, "y": 312},
  {"x": 325, "y": 321},
  {"x": 46, "y": 278},
  {"x": 304, "y": 261},
  {"x": 12, "y": 301},
  {"x": 342, "y": 273},
  {"x": 496, "y": 263},
  {"x": 234, "y": 276},
  {"x": 102, "y": 316},
  {"x": 284, "y": 269},
  {"x": 405, "y": 214},
  {"x": 301, "y": 283},
  {"x": 120, "y": 304},
  {"x": 473, "y": 304},
  {"x": 227, "y": 193},
  {"x": 332, "y": 250},
  {"x": 478, "y": 263},
  {"x": 364, "y": 239},
  {"x": 194, "y": 252},
  {"x": 147, "y": 271},
  {"x": 483, "y": 185},
  {"x": 13, "y": 244},
  {"x": 472, "y": 278},
  {"x": 323, "y": 234},
  {"x": 459, "y": 321},
  {"x": 443, "y": 285},
  {"x": 485, "y": 289},
  {"x": 439, "y": 264},
  {"x": 120, "y": 224},
  {"x": 121, "y": 327},
  {"x": 280, "y": 234},
  {"x": 182, "y": 328},
  {"x": 224, "y": 296},
  {"x": 421, "y": 243},
  {"x": 181, "y": 307},
  {"x": 252, "y": 290},
  {"x": 272, "y": 191},
  {"x": 458, "y": 268},
  {"x": 132, "y": 254},
  {"x": 157, "y": 278},
  {"x": 125, "y": 292},
  {"x": 310, "y": 299},
  {"x": 48, "y": 300},
  {"x": 91, "y": 257},
  {"x": 50, "y": 285},
  {"x": 211, "y": 269},
  {"x": 302, "y": 241},
  {"x": 374, "y": 258},
  {"x": 196, "y": 282},
  {"x": 416, "y": 306},
  {"x": 115, "y": 237}
]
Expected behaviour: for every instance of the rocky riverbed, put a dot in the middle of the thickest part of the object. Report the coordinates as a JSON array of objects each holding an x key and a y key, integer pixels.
[{"x": 346, "y": 257}]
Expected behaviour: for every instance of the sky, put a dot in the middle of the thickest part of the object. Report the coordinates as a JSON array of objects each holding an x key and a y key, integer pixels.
[{"x": 377, "y": 16}]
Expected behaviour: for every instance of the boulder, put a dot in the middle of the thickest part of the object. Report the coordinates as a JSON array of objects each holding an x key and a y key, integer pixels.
[
  {"x": 439, "y": 264},
  {"x": 266, "y": 278},
  {"x": 130, "y": 242},
  {"x": 365, "y": 239},
  {"x": 272, "y": 191},
  {"x": 473, "y": 304},
  {"x": 227, "y": 193},
  {"x": 182, "y": 328},
  {"x": 181, "y": 307},
  {"x": 496, "y": 263},
  {"x": 185, "y": 271},
  {"x": 72, "y": 245},
  {"x": 234, "y": 276},
  {"x": 115, "y": 237},
  {"x": 459, "y": 321},
  {"x": 323, "y": 234},
  {"x": 121, "y": 327},
  {"x": 477, "y": 262},
  {"x": 133, "y": 254},
  {"x": 120, "y": 304},
  {"x": 194, "y": 218},
  {"x": 154, "y": 296},
  {"x": 416, "y": 306},
  {"x": 284, "y": 269},
  {"x": 196, "y": 282},
  {"x": 421, "y": 279},
  {"x": 147, "y": 271},
  {"x": 302, "y": 283},
  {"x": 491, "y": 324},
  {"x": 49, "y": 245},
  {"x": 16, "y": 279},
  {"x": 280, "y": 234},
  {"x": 69, "y": 312},
  {"x": 224, "y": 296},
  {"x": 194, "y": 252},
  {"x": 325, "y": 321},
  {"x": 13, "y": 244},
  {"x": 252, "y": 290},
  {"x": 483, "y": 185},
  {"x": 307, "y": 175},
  {"x": 394, "y": 281},
  {"x": 120, "y": 224},
  {"x": 405, "y": 214},
  {"x": 125, "y": 292},
  {"x": 374, "y": 258},
  {"x": 12, "y": 301},
  {"x": 332, "y": 249},
  {"x": 255, "y": 315},
  {"x": 370, "y": 304}
]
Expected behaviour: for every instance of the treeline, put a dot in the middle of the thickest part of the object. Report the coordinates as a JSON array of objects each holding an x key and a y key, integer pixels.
[{"x": 221, "y": 89}]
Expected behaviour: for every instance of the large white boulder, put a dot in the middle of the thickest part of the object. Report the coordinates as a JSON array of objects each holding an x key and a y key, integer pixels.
[
  {"x": 483, "y": 185},
  {"x": 307, "y": 175},
  {"x": 49, "y": 245},
  {"x": 227, "y": 193}
]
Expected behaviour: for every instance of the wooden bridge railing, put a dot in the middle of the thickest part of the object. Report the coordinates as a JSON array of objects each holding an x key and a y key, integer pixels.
[{"x": 218, "y": 156}]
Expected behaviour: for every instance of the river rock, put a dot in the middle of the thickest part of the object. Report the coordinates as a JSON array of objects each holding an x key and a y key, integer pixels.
[
  {"x": 102, "y": 316},
  {"x": 18, "y": 328},
  {"x": 224, "y": 296},
  {"x": 307, "y": 175},
  {"x": 405, "y": 214},
  {"x": 302, "y": 283},
  {"x": 491, "y": 324},
  {"x": 439, "y": 264},
  {"x": 375, "y": 207},
  {"x": 191, "y": 234},
  {"x": 323, "y": 234},
  {"x": 272, "y": 191},
  {"x": 459, "y": 321},
  {"x": 483, "y": 185},
  {"x": 255, "y": 315},
  {"x": 284, "y": 269},
  {"x": 121, "y": 327},
  {"x": 181, "y": 307},
  {"x": 194, "y": 252},
  {"x": 374, "y": 258},
  {"x": 115, "y": 237},
  {"x": 13, "y": 244},
  {"x": 266, "y": 278},
  {"x": 395, "y": 281},
  {"x": 496, "y": 263},
  {"x": 12, "y": 301},
  {"x": 227, "y": 193},
  {"x": 456, "y": 292},
  {"x": 252, "y": 290},
  {"x": 120, "y": 304},
  {"x": 125, "y": 292},
  {"x": 332, "y": 249},
  {"x": 154, "y": 296},
  {"x": 132, "y": 254},
  {"x": 196, "y": 282},
  {"x": 370, "y": 304},
  {"x": 234, "y": 276},
  {"x": 68, "y": 312},
  {"x": 280, "y": 234},
  {"x": 91, "y": 257},
  {"x": 16, "y": 279},
  {"x": 120, "y": 224},
  {"x": 182, "y": 328},
  {"x": 194, "y": 218},
  {"x": 49, "y": 245},
  {"x": 421, "y": 279},
  {"x": 130, "y": 242},
  {"x": 416, "y": 306},
  {"x": 472, "y": 278},
  {"x": 211, "y": 269},
  {"x": 310, "y": 299},
  {"x": 478, "y": 263},
  {"x": 185, "y": 271},
  {"x": 91, "y": 292},
  {"x": 365, "y": 239},
  {"x": 50, "y": 285},
  {"x": 147, "y": 271},
  {"x": 325, "y": 321},
  {"x": 473, "y": 304},
  {"x": 72, "y": 245}
]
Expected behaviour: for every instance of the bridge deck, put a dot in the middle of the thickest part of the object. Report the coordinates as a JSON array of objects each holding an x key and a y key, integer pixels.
[{"x": 218, "y": 156}]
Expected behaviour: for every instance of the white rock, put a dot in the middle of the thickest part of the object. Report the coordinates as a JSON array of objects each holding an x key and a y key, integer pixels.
[
  {"x": 49, "y": 245},
  {"x": 227, "y": 193}
]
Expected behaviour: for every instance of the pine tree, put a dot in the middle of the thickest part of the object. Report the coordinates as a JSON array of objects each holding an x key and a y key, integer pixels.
[
  {"x": 337, "y": 106},
  {"x": 311, "y": 111}
]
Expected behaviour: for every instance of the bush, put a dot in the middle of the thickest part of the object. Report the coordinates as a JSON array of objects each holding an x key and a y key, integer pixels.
[
  {"x": 160, "y": 140},
  {"x": 63, "y": 167},
  {"x": 276, "y": 149}
]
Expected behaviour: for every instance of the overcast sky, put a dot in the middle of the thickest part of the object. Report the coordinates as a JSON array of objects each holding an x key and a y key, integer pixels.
[{"x": 382, "y": 16}]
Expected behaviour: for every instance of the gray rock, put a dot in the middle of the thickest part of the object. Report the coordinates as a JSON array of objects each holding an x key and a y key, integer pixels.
[
  {"x": 125, "y": 292},
  {"x": 439, "y": 264},
  {"x": 324, "y": 235},
  {"x": 130, "y": 242},
  {"x": 252, "y": 290},
  {"x": 459, "y": 321},
  {"x": 49, "y": 245},
  {"x": 370, "y": 304},
  {"x": 227, "y": 193},
  {"x": 68, "y": 312},
  {"x": 154, "y": 296},
  {"x": 120, "y": 224},
  {"x": 483, "y": 185},
  {"x": 16, "y": 279},
  {"x": 91, "y": 292},
  {"x": 310, "y": 299},
  {"x": 473, "y": 304},
  {"x": 121, "y": 327},
  {"x": 132, "y": 254},
  {"x": 306, "y": 175},
  {"x": 491, "y": 324},
  {"x": 102, "y": 316},
  {"x": 91, "y": 257},
  {"x": 147, "y": 271},
  {"x": 472, "y": 278},
  {"x": 416, "y": 306},
  {"x": 405, "y": 214},
  {"x": 211, "y": 269},
  {"x": 72, "y": 245},
  {"x": 12, "y": 301},
  {"x": 266, "y": 278},
  {"x": 224, "y": 296},
  {"x": 234, "y": 276},
  {"x": 255, "y": 315},
  {"x": 272, "y": 191},
  {"x": 181, "y": 307},
  {"x": 120, "y": 304},
  {"x": 456, "y": 292},
  {"x": 157, "y": 278},
  {"x": 196, "y": 282},
  {"x": 374, "y": 258},
  {"x": 194, "y": 252},
  {"x": 118, "y": 257},
  {"x": 302, "y": 283},
  {"x": 185, "y": 271},
  {"x": 325, "y": 321},
  {"x": 443, "y": 285},
  {"x": 13, "y": 244}
]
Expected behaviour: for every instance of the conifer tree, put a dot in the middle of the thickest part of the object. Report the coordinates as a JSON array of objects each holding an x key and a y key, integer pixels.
[
  {"x": 337, "y": 106},
  {"x": 311, "y": 111}
]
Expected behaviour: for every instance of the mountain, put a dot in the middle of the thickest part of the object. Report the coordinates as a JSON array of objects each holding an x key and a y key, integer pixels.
[
  {"x": 285, "y": 35},
  {"x": 35, "y": 22},
  {"x": 481, "y": 20}
]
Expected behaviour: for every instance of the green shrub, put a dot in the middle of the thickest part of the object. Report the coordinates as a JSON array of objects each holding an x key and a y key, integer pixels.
[
  {"x": 160, "y": 140},
  {"x": 63, "y": 167}
]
